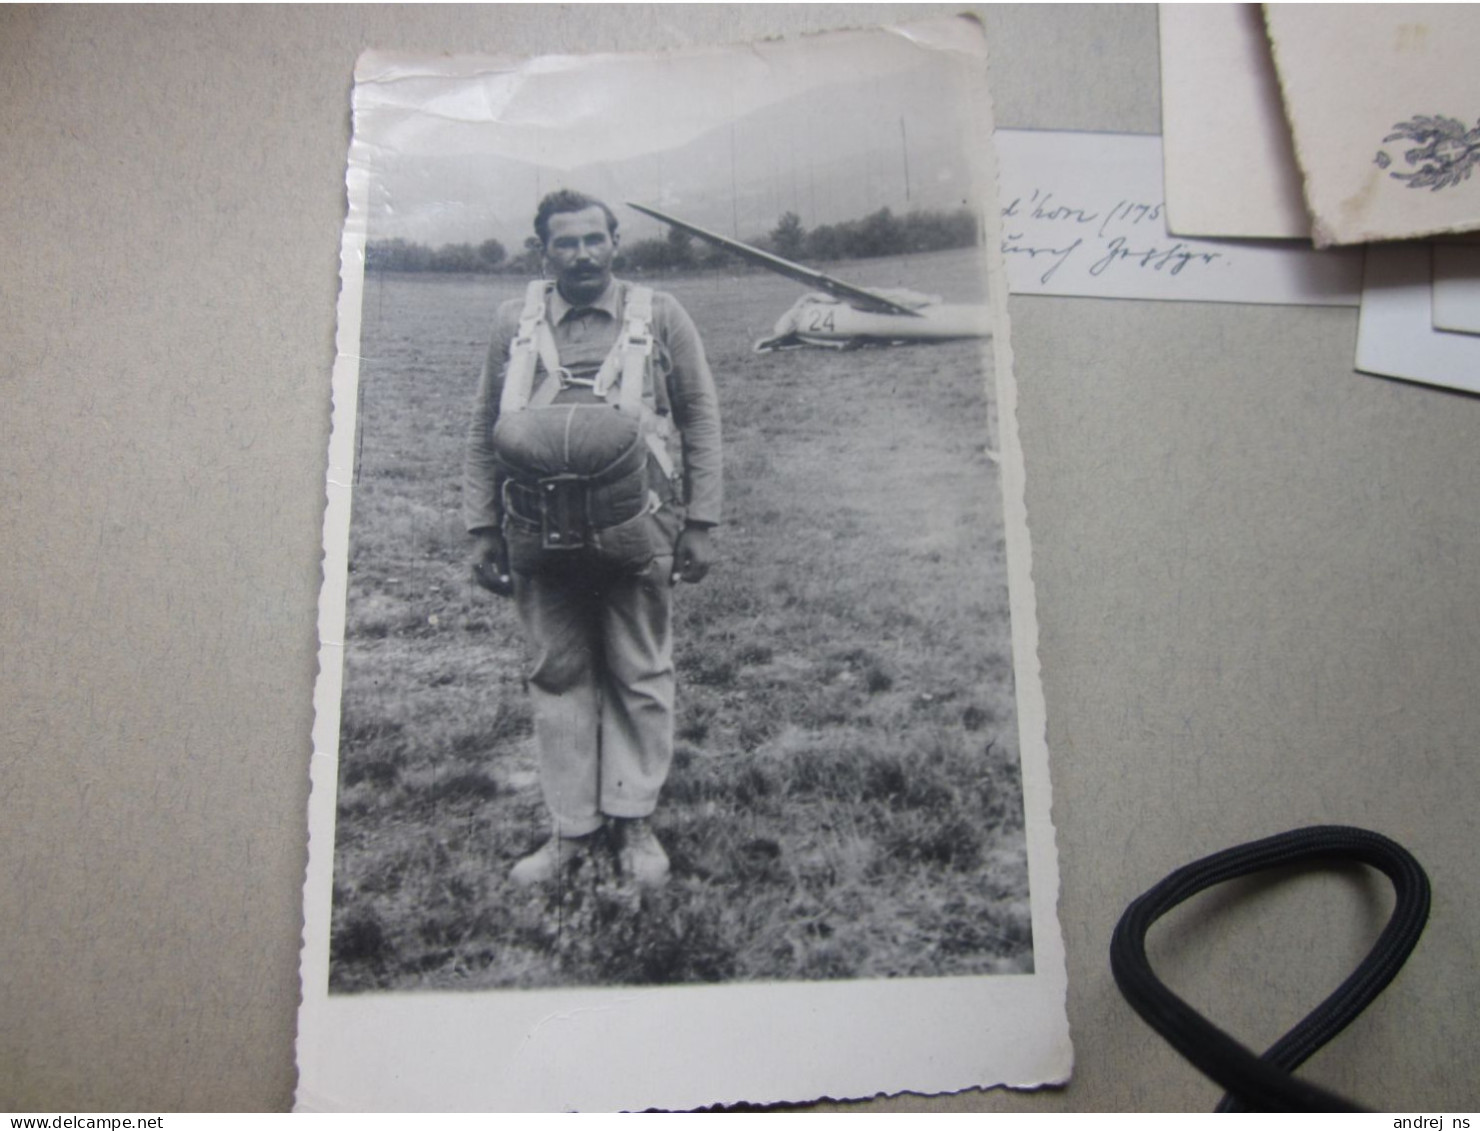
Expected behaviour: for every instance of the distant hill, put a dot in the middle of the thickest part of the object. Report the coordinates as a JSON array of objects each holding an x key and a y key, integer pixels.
[{"x": 833, "y": 155}]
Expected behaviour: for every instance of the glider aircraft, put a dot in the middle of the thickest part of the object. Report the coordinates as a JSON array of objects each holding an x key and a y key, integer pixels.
[{"x": 840, "y": 315}]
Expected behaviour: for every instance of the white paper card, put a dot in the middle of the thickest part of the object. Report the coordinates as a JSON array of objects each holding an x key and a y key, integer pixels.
[
  {"x": 1230, "y": 164},
  {"x": 1083, "y": 214},
  {"x": 1396, "y": 335},
  {"x": 836, "y": 923},
  {"x": 1385, "y": 112},
  {"x": 1457, "y": 287}
]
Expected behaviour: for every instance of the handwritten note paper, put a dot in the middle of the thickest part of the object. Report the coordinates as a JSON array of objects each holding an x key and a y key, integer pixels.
[{"x": 1084, "y": 214}]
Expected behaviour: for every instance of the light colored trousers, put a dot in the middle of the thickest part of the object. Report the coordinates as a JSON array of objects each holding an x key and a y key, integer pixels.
[{"x": 603, "y": 686}]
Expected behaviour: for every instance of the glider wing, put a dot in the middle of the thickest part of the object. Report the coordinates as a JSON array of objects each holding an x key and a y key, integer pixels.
[{"x": 861, "y": 297}]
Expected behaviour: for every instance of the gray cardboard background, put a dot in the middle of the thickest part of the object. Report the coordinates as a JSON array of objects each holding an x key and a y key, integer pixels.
[{"x": 1253, "y": 567}]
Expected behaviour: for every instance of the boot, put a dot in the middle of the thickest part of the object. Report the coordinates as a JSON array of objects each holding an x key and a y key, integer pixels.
[
  {"x": 641, "y": 857},
  {"x": 544, "y": 863}
]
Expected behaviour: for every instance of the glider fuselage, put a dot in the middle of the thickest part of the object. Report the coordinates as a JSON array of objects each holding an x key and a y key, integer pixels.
[{"x": 821, "y": 320}]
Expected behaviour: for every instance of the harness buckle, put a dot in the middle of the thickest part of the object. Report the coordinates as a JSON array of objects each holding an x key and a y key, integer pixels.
[{"x": 564, "y": 521}]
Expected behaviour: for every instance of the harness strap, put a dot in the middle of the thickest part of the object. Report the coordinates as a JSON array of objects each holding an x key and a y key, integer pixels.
[
  {"x": 658, "y": 446},
  {"x": 626, "y": 365},
  {"x": 634, "y": 338},
  {"x": 556, "y": 375},
  {"x": 633, "y": 351},
  {"x": 524, "y": 351},
  {"x": 636, "y": 347},
  {"x": 607, "y": 375}
]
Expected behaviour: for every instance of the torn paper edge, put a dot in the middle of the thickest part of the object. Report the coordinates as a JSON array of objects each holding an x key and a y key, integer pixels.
[
  {"x": 963, "y": 1032},
  {"x": 1258, "y": 191}
]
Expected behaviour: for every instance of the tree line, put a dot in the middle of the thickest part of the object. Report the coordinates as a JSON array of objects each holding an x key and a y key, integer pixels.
[{"x": 878, "y": 234}]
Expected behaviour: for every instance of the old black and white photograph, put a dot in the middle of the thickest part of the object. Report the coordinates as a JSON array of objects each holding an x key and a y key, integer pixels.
[{"x": 677, "y": 644}]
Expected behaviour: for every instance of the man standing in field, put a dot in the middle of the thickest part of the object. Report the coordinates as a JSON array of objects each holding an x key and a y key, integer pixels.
[{"x": 592, "y": 481}]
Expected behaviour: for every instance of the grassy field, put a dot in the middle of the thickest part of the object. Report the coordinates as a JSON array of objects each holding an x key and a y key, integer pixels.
[{"x": 845, "y": 799}]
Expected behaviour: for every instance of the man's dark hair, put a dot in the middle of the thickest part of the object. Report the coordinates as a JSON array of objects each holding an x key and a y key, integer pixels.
[{"x": 568, "y": 200}]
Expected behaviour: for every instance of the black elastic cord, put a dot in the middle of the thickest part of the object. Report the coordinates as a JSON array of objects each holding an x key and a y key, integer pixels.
[{"x": 1264, "y": 1083}]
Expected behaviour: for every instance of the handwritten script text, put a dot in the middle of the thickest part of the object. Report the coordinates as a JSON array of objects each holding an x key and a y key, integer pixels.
[{"x": 1129, "y": 235}]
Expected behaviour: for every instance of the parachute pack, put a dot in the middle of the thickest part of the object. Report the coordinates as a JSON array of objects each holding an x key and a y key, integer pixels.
[{"x": 584, "y": 457}]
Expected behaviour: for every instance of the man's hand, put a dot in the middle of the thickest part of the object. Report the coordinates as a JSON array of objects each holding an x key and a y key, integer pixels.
[
  {"x": 693, "y": 555},
  {"x": 491, "y": 564}
]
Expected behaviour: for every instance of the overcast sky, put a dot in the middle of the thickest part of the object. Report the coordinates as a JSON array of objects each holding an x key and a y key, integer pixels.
[{"x": 831, "y": 128}]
